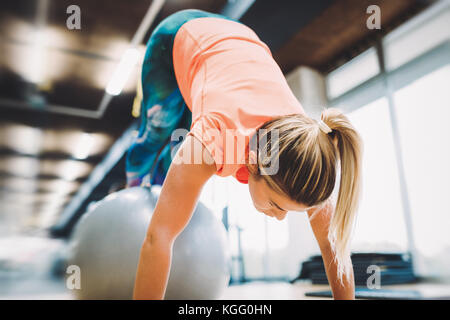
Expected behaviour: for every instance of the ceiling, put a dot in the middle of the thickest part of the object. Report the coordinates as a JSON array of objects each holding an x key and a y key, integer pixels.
[{"x": 52, "y": 84}]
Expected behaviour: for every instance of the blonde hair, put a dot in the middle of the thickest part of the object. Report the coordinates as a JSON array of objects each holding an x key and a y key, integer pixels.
[{"x": 309, "y": 159}]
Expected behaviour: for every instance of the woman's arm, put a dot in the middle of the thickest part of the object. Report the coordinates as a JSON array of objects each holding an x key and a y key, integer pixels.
[
  {"x": 173, "y": 211},
  {"x": 320, "y": 222}
]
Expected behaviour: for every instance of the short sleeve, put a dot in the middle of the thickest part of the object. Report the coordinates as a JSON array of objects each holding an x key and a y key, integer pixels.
[
  {"x": 226, "y": 146},
  {"x": 209, "y": 131}
]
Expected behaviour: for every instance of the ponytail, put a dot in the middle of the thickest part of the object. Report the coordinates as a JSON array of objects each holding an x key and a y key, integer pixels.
[{"x": 349, "y": 149}]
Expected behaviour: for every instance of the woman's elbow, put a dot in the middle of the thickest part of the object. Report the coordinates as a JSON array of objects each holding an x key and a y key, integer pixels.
[{"x": 158, "y": 238}]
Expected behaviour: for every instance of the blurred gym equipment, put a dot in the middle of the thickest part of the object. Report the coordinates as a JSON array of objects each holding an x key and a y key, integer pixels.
[
  {"x": 107, "y": 241},
  {"x": 395, "y": 268}
]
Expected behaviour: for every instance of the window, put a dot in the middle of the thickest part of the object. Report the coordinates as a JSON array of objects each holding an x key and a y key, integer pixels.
[
  {"x": 353, "y": 73},
  {"x": 423, "y": 114},
  {"x": 418, "y": 36},
  {"x": 380, "y": 225},
  {"x": 264, "y": 239}
]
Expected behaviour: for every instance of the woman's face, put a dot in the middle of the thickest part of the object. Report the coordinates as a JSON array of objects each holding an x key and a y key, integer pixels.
[{"x": 270, "y": 202}]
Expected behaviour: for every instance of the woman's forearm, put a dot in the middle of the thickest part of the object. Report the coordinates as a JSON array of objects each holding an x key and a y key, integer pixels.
[
  {"x": 342, "y": 290},
  {"x": 153, "y": 270},
  {"x": 320, "y": 222},
  {"x": 173, "y": 210}
]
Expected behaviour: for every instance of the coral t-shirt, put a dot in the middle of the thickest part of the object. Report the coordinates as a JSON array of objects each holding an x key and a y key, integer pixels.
[{"x": 232, "y": 85}]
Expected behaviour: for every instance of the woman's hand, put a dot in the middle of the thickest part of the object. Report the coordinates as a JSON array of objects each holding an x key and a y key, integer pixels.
[
  {"x": 173, "y": 211},
  {"x": 320, "y": 221}
]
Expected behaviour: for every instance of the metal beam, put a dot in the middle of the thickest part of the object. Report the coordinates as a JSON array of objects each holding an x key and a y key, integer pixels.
[
  {"x": 406, "y": 205},
  {"x": 235, "y": 9}
]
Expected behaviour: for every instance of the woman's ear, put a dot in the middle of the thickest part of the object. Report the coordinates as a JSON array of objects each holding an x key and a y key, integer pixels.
[{"x": 252, "y": 163}]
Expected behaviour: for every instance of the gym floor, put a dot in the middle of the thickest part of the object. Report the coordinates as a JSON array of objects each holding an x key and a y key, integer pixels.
[
  {"x": 250, "y": 291},
  {"x": 260, "y": 290}
]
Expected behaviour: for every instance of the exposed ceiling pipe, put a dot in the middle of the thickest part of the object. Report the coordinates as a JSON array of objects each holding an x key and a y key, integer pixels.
[
  {"x": 35, "y": 69},
  {"x": 146, "y": 23},
  {"x": 58, "y": 109},
  {"x": 235, "y": 9},
  {"x": 138, "y": 37}
]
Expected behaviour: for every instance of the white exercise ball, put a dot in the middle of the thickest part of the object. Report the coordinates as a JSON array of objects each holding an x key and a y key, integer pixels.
[{"x": 107, "y": 240}]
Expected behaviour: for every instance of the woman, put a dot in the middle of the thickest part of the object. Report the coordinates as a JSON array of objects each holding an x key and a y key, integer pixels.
[{"x": 246, "y": 123}]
